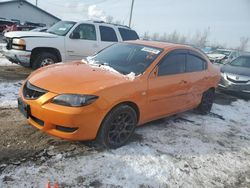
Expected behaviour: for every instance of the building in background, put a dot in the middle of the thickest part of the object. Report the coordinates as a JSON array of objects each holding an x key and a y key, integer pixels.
[{"x": 22, "y": 11}]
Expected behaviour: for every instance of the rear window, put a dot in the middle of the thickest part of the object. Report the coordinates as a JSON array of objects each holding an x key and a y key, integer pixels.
[
  {"x": 128, "y": 34},
  {"x": 108, "y": 34}
]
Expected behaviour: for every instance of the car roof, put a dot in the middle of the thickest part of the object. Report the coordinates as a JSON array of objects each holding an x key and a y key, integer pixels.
[
  {"x": 101, "y": 23},
  {"x": 163, "y": 45}
]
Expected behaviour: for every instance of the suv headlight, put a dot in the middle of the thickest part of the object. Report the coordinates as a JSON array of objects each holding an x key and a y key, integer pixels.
[
  {"x": 18, "y": 44},
  {"x": 74, "y": 100}
]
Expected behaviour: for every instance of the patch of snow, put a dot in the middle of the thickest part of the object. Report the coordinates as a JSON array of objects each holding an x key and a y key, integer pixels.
[
  {"x": 5, "y": 62},
  {"x": 186, "y": 150},
  {"x": 9, "y": 94},
  {"x": 131, "y": 76}
]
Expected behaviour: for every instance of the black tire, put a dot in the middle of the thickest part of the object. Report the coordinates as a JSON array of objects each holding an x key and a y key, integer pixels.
[
  {"x": 117, "y": 127},
  {"x": 41, "y": 58},
  {"x": 206, "y": 102}
]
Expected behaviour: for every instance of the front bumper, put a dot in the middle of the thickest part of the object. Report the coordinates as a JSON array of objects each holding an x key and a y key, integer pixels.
[
  {"x": 17, "y": 56},
  {"x": 80, "y": 123},
  {"x": 228, "y": 85}
]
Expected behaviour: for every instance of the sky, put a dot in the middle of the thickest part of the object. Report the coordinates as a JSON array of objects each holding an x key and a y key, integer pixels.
[{"x": 227, "y": 20}]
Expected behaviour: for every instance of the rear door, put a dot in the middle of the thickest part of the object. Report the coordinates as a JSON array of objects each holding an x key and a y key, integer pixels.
[
  {"x": 82, "y": 42},
  {"x": 108, "y": 36},
  {"x": 196, "y": 68},
  {"x": 168, "y": 91}
]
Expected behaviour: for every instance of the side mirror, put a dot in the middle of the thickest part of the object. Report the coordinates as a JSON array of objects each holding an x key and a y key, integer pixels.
[{"x": 75, "y": 35}]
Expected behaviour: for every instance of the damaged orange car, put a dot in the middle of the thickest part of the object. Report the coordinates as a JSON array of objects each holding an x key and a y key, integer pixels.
[{"x": 127, "y": 84}]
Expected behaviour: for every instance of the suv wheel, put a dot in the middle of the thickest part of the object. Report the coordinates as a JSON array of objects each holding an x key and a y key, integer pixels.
[
  {"x": 117, "y": 127},
  {"x": 44, "y": 59}
]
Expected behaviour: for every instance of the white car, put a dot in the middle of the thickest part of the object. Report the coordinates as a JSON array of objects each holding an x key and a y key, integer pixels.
[{"x": 64, "y": 41}]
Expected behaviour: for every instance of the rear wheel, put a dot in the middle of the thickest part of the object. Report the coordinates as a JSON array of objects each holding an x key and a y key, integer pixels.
[
  {"x": 44, "y": 59},
  {"x": 206, "y": 102},
  {"x": 118, "y": 127}
]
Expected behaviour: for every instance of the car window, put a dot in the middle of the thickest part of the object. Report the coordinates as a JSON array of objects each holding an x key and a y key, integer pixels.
[
  {"x": 85, "y": 32},
  {"x": 241, "y": 62},
  {"x": 195, "y": 63},
  {"x": 108, "y": 34},
  {"x": 172, "y": 64},
  {"x": 128, "y": 34}
]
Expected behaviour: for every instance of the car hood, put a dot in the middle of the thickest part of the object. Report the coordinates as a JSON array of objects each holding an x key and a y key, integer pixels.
[
  {"x": 23, "y": 34},
  {"x": 216, "y": 56},
  {"x": 236, "y": 70},
  {"x": 76, "y": 77}
]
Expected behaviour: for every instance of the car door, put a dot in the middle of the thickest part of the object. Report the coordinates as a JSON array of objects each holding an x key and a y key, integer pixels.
[
  {"x": 168, "y": 89},
  {"x": 196, "y": 68},
  {"x": 81, "y": 42},
  {"x": 108, "y": 36}
]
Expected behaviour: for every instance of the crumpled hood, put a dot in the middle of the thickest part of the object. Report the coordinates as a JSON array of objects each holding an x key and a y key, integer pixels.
[
  {"x": 75, "y": 77},
  {"x": 216, "y": 56},
  {"x": 23, "y": 34}
]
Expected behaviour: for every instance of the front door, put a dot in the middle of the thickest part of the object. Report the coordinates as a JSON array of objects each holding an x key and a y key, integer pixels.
[{"x": 82, "y": 42}]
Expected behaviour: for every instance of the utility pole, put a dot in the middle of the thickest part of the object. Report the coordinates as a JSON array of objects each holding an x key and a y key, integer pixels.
[
  {"x": 131, "y": 13},
  {"x": 36, "y": 2}
]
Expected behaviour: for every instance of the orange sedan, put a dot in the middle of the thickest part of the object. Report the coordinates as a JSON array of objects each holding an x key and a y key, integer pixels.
[{"x": 127, "y": 84}]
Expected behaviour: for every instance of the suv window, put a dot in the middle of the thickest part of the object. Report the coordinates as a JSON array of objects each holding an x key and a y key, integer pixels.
[
  {"x": 108, "y": 34},
  {"x": 172, "y": 64},
  {"x": 195, "y": 63},
  {"x": 128, "y": 34},
  {"x": 85, "y": 32}
]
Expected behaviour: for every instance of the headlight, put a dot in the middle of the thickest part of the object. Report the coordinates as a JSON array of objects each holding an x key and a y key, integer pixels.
[
  {"x": 18, "y": 44},
  {"x": 18, "y": 41},
  {"x": 74, "y": 100}
]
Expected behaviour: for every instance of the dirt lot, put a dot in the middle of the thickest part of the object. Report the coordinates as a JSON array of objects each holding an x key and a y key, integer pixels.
[{"x": 186, "y": 150}]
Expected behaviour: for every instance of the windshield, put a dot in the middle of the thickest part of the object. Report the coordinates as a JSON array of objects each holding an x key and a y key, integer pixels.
[
  {"x": 61, "y": 28},
  {"x": 241, "y": 62},
  {"x": 126, "y": 58}
]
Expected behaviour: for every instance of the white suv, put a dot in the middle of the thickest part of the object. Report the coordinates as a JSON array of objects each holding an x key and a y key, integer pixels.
[{"x": 64, "y": 41}]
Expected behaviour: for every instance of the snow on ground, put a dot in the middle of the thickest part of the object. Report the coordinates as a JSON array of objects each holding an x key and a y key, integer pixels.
[
  {"x": 5, "y": 62},
  {"x": 9, "y": 94},
  {"x": 187, "y": 150}
]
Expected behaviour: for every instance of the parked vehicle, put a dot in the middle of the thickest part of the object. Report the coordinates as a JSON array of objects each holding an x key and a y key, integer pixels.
[
  {"x": 235, "y": 76},
  {"x": 223, "y": 56},
  {"x": 124, "y": 85},
  {"x": 64, "y": 41},
  {"x": 4, "y": 23}
]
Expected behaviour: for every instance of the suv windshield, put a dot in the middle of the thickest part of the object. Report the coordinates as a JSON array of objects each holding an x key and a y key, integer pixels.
[
  {"x": 241, "y": 62},
  {"x": 126, "y": 58},
  {"x": 61, "y": 28}
]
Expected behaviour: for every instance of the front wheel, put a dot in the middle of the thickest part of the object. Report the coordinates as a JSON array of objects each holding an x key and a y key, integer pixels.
[
  {"x": 206, "y": 102},
  {"x": 117, "y": 127},
  {"x": 44, "y": 59}
]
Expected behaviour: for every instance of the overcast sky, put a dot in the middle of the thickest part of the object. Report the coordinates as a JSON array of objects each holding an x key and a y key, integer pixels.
[{"x": 228, "y": 20}]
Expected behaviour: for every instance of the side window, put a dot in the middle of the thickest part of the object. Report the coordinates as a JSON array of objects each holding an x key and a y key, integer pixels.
[
  {"x": 108, "y": 34},
  {"x": 128, "y": 34},
  {"x": 172, "y": 64},
  {"x": 84, "y": 32},
  {"x": 194, "y": 63}
]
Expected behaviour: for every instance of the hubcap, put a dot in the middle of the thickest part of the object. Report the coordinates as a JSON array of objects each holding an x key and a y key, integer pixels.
[
  {"x": 121, "y": 128},
  {"x": 47, "y": 61}
]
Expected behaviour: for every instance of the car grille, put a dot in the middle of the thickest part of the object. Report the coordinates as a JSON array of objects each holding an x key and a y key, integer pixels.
[
  {"x": 237, "y": 81},
  {"x": 32, "y": 92},
  {"x": 9, "y": 43}
]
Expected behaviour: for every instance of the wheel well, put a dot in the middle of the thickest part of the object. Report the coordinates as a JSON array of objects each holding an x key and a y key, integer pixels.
[
  {"x": 129, "y": 103},
  {"x": 36, "y": 51}
]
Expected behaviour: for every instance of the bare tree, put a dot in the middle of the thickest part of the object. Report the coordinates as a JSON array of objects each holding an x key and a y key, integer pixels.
[
  {"x": 156, "y": 36},
  {"x": 243, "y": 43},
  {"x": 146, "y": 36}
]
